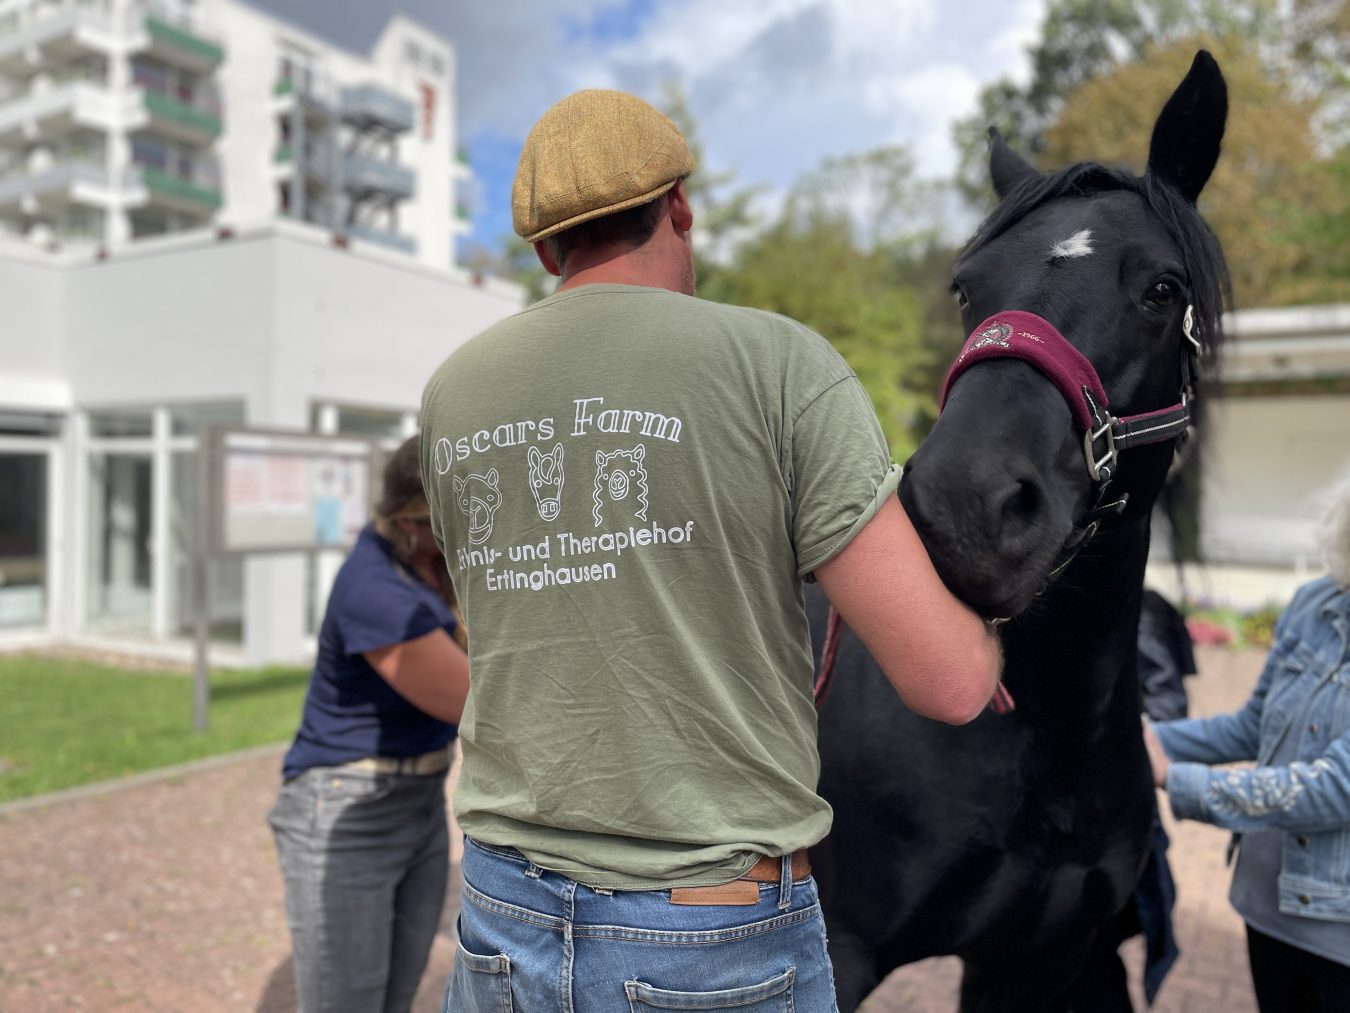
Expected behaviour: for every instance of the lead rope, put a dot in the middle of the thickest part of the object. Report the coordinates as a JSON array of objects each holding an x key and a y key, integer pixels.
[{"x": 1000, "y": 703}]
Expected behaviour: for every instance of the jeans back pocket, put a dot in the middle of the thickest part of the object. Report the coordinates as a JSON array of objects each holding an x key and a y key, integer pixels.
[
  {"x": 772, "y": 996},
  {"x": 479, "y": 984}
]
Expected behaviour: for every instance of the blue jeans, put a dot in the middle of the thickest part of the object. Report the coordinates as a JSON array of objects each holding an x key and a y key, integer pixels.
[
  {"x": 366, "y": 859},
  {"x": 534, "y": 941}
]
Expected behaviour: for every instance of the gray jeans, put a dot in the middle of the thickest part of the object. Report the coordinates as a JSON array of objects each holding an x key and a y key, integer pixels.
[{"x": 365, "y": 858}]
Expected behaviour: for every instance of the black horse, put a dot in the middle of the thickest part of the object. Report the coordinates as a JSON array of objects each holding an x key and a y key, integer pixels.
[{"x": 1010, "y": 841}]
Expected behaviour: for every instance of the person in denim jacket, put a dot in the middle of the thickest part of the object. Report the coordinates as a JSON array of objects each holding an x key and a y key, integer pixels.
[{"x": 1291, "y": 811}]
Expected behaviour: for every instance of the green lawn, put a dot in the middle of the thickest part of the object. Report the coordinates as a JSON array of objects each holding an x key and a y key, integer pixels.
[{"x": 65, "y": 722}]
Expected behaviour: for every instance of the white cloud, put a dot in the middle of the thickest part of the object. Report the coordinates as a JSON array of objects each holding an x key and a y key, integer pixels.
[{"x": 774, "y": 85}]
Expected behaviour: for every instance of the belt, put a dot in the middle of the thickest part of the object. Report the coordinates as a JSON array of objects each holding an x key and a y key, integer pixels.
[
  {"x": 435, "y": 762},
  {"x": 770, "y": 870},
  {"x": 742, "y": 891}
]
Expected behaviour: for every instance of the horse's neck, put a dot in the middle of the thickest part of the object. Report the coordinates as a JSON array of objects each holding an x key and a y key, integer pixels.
[{"x": 1073, "y": 654}]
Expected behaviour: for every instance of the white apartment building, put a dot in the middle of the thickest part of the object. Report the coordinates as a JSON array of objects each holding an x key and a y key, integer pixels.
[
  {"x": 206, "y": 216},
  {"x": 123, "y": 119}
]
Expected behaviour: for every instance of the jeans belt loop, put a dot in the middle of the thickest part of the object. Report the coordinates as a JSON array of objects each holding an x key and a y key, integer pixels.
[{"x": 784, "y": 882}]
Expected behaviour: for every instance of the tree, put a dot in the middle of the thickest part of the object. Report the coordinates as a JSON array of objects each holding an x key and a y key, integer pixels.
[
  {"x": 830, "y": 259},
  {"x": 722, "y": 212},
  {"x": 1084, "y": 39}
]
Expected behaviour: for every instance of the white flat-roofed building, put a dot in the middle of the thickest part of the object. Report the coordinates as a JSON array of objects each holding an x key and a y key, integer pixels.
[{"x": 207, "y": 216}]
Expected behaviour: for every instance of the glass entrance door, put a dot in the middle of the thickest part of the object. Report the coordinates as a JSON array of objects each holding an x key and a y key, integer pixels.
[
  {"x": 120, "y": 532},
  {"x": 23, "y": 539}
]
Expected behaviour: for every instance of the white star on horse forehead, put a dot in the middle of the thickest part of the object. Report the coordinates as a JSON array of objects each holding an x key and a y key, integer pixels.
[{"x": 1077, "y": 245}]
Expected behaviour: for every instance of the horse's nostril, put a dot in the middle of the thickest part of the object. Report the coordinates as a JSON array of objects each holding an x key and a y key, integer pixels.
[{"x": 1023, "y": 503}]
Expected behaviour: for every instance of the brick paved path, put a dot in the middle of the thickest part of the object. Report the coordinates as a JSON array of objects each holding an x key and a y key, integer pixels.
[{"x": 166, "y": 896}]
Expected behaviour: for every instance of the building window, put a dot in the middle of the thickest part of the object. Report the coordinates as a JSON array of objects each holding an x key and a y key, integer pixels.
[
  {"x": 127, "y": 423},
  {"x": 412, "y": 52},
  {"x": 119, "y": 588},
  {"x": 190, "y": 419},
  {"x": 23, "y": 538},
  {"x": 437, "y": 64}
]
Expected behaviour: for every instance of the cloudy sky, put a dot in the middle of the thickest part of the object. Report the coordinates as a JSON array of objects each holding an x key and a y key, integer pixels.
[{"x": 775, "y": 86}]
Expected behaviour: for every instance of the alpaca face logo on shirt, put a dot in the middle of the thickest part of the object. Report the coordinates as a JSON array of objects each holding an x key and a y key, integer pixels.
[
  {"x": 546, "y": 481},
  {"x": 478, "y": 498},
  {"x": 619, "y": 477}
]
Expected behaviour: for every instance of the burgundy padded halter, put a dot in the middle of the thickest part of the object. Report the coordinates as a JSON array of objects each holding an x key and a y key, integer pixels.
[
  {"x": 1014, "y": 334},
  {"x": 1017, "y": 335}
]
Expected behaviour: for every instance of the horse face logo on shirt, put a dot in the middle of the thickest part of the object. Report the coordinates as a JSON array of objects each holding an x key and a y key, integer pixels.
[
  {"x": 546, "y": 481},
  {"x": 617, "y": 477},
  {"x": 478, "y": 497}
]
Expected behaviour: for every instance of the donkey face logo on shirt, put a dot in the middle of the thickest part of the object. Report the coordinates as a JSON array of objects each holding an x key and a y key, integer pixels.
[
  {"x": 619, "y": 477},
  {"x": 546, "y": 481},
  {"x": 478, "y": 497}
]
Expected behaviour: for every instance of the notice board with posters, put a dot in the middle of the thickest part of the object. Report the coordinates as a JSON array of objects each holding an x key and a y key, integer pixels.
[{"x": 287, "y": 492}]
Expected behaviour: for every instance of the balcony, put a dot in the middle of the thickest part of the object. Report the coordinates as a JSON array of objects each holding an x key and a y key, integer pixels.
[
  {"x": 461, "y": 168},
  {"x": 39, "y": 35},
  {"x": 367, "y": 175},
  {"x": 191, "y": 122},
  {"x": 52, "y": 185},
  {"x": 195, "y": 191},
  {"x": 369, "y": 105},
  {"x": 382, "y": 237},
  {"x": 57, "y": 109},
  {"x": 180, "y": 46}
]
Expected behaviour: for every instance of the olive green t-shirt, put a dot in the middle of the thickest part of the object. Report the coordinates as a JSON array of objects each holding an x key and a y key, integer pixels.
[{"x": 629, "y": 485}]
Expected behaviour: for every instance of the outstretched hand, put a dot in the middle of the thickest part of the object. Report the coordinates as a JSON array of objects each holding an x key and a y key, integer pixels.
[{"x": 1157, "y": 756}]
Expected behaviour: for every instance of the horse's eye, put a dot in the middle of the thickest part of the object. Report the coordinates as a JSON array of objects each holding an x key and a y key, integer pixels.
[
  {"x": 959, "y": 294},
  {"x": 1163, "y": 293}
]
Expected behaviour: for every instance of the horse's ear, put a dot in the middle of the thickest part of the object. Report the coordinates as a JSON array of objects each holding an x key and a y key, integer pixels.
[
  {"x": 1006, "y": 167},
  {"x": 1185, "y": 145}
]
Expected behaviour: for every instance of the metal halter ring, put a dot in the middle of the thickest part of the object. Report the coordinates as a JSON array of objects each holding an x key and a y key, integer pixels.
[{"x": 1095, "y": 465}]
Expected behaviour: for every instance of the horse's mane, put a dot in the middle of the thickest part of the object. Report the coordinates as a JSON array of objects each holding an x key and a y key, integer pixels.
[{"x": 1204, "y": 260}]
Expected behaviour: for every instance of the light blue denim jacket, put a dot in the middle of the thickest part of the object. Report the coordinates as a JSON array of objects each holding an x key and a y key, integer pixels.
[{"x": 1308, "y": 799}]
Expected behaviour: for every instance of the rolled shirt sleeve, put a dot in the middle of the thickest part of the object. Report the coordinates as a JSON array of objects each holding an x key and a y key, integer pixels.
[{"x": 841, "y": 472}]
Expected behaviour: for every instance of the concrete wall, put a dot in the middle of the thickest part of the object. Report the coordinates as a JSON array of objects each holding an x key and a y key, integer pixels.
[
  {"x": 173, "y": 320},
  {"x": 1268, "y": 459},
  {"x": 365, "y": 332},
  {"x": 248, "y": 139},
  {"x": 32, "y": 353}
]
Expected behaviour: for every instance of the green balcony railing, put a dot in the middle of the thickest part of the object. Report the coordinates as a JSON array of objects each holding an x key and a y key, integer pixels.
[
  {"x": 169, "y": 185},
  {"x": 282, "y": 154},
  {"x": 178, "y": 38},
  {"x": 182, "y": 113},
  {"x": 284, "y": 86}
]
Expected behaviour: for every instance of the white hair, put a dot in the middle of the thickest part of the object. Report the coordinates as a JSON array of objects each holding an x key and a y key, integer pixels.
[{"x": 1333, "y": 532}]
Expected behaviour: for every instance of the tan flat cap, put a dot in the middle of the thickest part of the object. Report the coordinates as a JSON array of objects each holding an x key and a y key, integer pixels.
[{"x": 594, "y": 153}]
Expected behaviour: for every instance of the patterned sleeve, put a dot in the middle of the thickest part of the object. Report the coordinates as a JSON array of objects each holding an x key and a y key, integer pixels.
[{"x": 1310, "y": 796}]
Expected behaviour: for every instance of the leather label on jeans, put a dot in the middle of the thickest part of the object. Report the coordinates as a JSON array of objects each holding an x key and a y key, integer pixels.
[{"x": 737, "y": 893}]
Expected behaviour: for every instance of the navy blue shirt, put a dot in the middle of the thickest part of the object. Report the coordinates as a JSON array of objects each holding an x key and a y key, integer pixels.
[{"x": 351, "y": 712}]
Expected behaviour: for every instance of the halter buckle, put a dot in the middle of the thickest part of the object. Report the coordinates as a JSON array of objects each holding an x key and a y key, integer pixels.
[{"x": 1096, "y": 465}]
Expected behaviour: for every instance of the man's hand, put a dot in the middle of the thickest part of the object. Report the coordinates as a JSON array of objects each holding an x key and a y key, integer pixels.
[{"x": 1157, "y": 756}]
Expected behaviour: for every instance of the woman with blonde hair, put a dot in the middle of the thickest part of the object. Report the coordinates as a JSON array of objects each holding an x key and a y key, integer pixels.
[
  {"x": 360, "y": 822},
  {"x": 1290, "y": 813}
]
